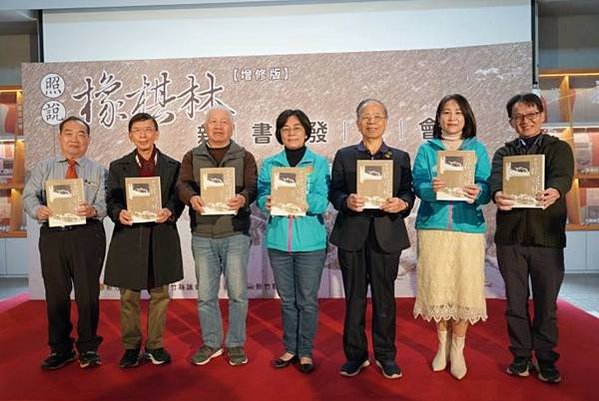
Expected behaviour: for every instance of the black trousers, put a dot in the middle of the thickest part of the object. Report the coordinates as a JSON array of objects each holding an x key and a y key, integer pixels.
[
  {"x": 545, "y": 268},
  {"x": 72, "y": 257},
  {"x": 369, "y": 266}
]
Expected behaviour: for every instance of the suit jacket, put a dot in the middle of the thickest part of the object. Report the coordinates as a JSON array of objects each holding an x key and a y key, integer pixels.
[
  {"x": 352, "y": 228},
  {"x": 134, "y": 248}
]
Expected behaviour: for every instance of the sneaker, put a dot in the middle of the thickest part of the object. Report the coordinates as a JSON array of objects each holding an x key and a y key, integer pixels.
[
  {"x": 205, "y": 354},
  {"x": 353, "y": 368},
  {"x": 520, "y": 366},
  {"x": 157, "y": 356},
  {"x": 58, "y": 360},
  {"x": 237, "y": 356},
  {"x": 389, "y": 369},
  {"x": 130, "y": 358},
  {"x": 89, "y": 359},
  {"x": 547, "y": 372}
]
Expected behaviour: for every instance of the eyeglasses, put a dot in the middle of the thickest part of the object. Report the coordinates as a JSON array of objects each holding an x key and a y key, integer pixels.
[
  {"x": 146, "y": 130},
  {"x": 375, "y": 118},
  {"x": 529, "y": 117}
]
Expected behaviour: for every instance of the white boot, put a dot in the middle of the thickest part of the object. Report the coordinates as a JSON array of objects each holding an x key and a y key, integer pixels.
[
  {"x": 440, "y": 360},
  {"x": 456, "y": 357}
]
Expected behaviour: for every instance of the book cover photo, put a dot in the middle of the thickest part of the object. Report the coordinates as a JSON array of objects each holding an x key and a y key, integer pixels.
[
  {"x": 524, "y": 179},
  {"x": 375, "y": 182},
  {"x": 456, "y": 169},
  {"x": 64, "y": 197},
  {"x": 144, "y": 199},
  {"x": 288, "y": 191},
  {"x": 217, "y": 186}
]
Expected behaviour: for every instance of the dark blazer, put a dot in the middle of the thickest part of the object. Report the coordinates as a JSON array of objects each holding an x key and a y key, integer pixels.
[
  {"x": 133, "y": 249},
  {"x": 351, "y": 228}
]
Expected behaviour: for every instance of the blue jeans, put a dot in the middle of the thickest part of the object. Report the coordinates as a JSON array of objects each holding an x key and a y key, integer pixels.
[
  {"x": 297, "y": 277},
  {"x": 213, "y": 257}
]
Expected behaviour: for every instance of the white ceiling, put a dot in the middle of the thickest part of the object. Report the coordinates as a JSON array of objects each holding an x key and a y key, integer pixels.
[{"x": 10, "y": 18}]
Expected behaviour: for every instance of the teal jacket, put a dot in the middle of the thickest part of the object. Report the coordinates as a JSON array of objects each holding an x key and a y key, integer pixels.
[
  {"x": 297, "y": 234},
  {"x": 450, "y": 215}
]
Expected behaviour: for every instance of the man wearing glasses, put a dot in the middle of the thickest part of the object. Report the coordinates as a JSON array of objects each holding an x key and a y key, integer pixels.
[
  {"x": 370, "y": 243},
  {"x": 530, "y": 242}
]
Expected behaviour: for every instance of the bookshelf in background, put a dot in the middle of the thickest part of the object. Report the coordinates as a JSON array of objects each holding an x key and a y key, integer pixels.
[
  {"x": 12, "y": 163},
  {"x": 572, "y": 100}
]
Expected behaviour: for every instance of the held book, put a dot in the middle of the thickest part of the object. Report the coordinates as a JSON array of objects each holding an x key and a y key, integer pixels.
[
  {"x": 524, "y": 179},
  {"x": 375, "y": 182},
  {"x": 217, "y": 186},
  {"x": 288, "y": 191},
  {"x": 144, "y": 199},
  {"x": 64, "y": 197},
  {"x": 456, "y": 169}
]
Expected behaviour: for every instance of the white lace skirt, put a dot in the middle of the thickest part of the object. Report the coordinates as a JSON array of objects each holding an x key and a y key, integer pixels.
[{"x": 451, "y": 276}]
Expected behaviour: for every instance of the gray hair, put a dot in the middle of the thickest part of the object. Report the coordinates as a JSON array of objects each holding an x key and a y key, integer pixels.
[
  {"x": 365, "y": 103},
  {"x": 218, "y": 108}
]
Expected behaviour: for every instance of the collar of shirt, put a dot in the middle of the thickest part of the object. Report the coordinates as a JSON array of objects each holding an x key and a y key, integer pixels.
[
  {"x": 80, "y": 161},
  {"x": 379, "y": 154}
]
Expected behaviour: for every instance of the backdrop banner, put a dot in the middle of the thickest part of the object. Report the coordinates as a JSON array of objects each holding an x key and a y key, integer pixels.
[{"x": 328, "y": 87}]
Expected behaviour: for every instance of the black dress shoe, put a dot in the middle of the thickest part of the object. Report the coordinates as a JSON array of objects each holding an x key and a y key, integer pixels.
[
  {"x": 282, "y": 363},
  {"x": 306, "y": 368}
]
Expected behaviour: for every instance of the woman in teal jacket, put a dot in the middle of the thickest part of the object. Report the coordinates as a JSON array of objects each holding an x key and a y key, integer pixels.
[
  {"x": 297, "y": 245},
  {"x": 451, "y": 241}
]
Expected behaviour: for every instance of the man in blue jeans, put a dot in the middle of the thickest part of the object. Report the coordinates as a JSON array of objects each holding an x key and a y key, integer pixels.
[{"x": 220, "y": 243}]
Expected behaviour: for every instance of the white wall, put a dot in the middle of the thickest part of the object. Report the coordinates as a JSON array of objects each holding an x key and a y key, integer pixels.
[{"x": 282, "y": 29}]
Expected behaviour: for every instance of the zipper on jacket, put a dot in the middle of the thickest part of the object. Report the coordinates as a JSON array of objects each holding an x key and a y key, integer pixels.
[
  {"x": 450, "y": 218},
  {"x": 289, "y": 233}
]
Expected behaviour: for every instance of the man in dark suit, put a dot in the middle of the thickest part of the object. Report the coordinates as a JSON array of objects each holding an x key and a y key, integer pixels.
[
  {"x": 370, "y": 242},
  {"x": 144, "y": 255}
]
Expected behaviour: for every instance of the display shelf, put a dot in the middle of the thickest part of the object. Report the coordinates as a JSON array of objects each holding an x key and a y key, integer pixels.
[
  {"x": 582, "y": 227},
  {"x": 12, "y": 162},
  {"x": 13, "y": 234},
  {"x": 572, "y": 99}
]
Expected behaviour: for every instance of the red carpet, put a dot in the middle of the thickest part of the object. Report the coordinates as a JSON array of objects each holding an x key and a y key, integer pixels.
[{"x": 23, "y": 338}]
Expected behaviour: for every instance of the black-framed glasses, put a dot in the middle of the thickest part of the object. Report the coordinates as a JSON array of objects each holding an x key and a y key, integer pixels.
[{"x": 529, "y": 117}]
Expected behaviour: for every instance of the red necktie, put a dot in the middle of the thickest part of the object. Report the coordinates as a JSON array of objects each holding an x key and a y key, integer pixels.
[{"x": 71, "y": 171}]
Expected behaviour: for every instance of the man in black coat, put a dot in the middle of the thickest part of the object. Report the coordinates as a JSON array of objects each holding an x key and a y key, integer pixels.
[
  {"x": 370, "y": 242},
  {"x": 530, "y": 242},
  {"x": 143, "y": 255}
]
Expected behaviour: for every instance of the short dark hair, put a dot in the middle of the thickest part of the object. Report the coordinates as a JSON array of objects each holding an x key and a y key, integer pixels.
[
  {"x": 469, "y": 130},
  {"x": 301, "y": 116},
  {"x": 366, "y": 102},
  {"x": 142, "y": 117},
  {"x": 73, "y": 118},
  {"x": 529, "y": 99}
]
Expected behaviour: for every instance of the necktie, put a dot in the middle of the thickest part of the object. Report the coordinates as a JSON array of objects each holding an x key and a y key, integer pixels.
[{"x": 71, "y": 171}]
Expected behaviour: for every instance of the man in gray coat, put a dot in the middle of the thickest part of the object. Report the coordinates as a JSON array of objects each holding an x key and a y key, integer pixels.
[
  {"x": 220, "y": 243},
  {"x": 143, "y": 255}
]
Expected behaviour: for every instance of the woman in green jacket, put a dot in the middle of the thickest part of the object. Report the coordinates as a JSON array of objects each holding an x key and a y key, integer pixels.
[
  {"x": 451, "y": 241},
  {"x": 297, "y": 244}
]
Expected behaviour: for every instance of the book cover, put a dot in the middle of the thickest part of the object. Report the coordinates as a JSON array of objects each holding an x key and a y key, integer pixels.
[
  {"x": 524, "y": 178},
  {"x": 375, "y": 182},
  {"x": 217, "y": 186},
  {"x": 64, "y": 197},
  {"x": 144, "y": 198},
  {"x": 456, "y": 169},
  {"x": 288, "y": 191}
]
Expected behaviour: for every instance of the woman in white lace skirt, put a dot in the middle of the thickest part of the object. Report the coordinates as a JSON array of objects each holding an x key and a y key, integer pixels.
[{"x": 451, "y": 242}]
